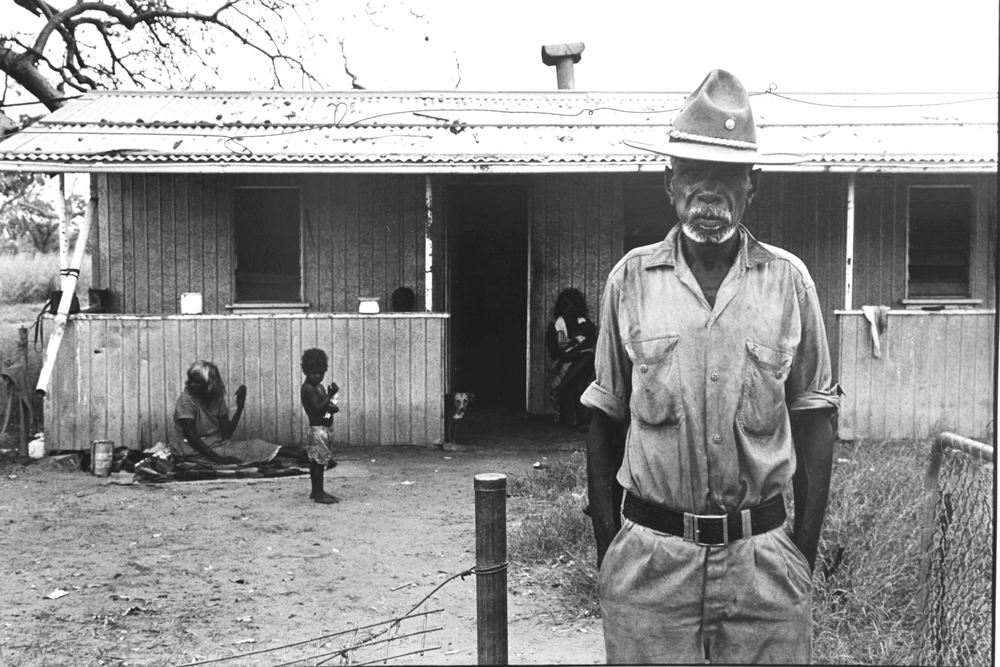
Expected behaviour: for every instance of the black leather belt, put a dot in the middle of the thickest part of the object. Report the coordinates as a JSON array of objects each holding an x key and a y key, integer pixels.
[{"x": 706, "y": 530}]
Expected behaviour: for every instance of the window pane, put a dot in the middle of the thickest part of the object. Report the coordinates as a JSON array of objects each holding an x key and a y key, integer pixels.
[
  {"x": 267, "y": 244},
  {"x": 940, "y": 234}
]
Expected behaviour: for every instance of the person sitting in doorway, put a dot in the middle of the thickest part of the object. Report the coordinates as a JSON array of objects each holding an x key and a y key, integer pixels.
[
  {"x": 203, "y": 426},
  {"x": 570, "y": 339}
]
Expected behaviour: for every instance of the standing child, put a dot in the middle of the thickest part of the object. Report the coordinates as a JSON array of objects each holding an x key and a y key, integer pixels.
[{"x": 320, "y": 405}]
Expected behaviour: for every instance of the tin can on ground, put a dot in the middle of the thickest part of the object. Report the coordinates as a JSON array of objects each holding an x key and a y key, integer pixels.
[{"x": 101, "y": 456}]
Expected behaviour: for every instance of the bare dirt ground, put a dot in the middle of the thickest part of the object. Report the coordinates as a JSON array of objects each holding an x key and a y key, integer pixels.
[{"x": 175, "y": 573}]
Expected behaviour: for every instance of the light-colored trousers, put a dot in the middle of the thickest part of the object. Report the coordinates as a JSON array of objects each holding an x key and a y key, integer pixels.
[{"x": 665, "y": 600}]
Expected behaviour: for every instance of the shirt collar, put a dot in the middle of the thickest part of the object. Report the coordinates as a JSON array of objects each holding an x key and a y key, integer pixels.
[{"x": 667, "y": 253}]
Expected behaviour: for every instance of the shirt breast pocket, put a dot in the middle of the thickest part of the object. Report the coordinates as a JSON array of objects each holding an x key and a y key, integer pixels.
[
  {"x": 656, "y": 386},
  {"x": 762, "y": 406}
]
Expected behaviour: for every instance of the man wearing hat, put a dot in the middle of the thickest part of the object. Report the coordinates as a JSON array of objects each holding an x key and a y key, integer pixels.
[{"x": 713, "y": 391}]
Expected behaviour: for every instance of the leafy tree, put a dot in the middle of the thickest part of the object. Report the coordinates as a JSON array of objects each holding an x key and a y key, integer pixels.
[
  {"x": 144, "y": 43},
  {"x": 28, "y": 220}
]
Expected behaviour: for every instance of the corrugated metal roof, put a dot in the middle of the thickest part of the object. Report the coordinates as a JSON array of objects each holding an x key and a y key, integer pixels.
[{"x": 559, "y": 130}]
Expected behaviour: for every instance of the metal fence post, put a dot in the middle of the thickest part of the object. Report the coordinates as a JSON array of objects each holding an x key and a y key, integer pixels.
[{"x": 491, "y": 567}]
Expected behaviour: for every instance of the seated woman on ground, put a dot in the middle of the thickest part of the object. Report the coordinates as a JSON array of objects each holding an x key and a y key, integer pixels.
[
  {"x": 570, "y": 340},
  {"x": 203, "y": 427}
]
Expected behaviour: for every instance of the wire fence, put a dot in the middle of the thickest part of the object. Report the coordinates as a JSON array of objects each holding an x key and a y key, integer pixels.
[
  {"x": 409, "y": 634},
  {"x": 955, "y": 625},
  {"x": 380, "y": 642}
]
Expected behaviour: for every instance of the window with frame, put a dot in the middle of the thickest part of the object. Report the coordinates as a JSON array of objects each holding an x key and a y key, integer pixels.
[
  {"x": 648, "y": 216},
  {"x": 939, "y": 240},
  {"x": 267, "y": 230}
]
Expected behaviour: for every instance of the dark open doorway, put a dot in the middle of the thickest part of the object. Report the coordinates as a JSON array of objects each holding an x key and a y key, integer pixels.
[{"x": 488, "y": 249}]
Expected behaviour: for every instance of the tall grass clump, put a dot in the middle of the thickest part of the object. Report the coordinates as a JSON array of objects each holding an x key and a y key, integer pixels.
[
  {"x": 550, "y": 530},
  {"x": 866, "y": 580},
  {"x": 865, "y": 599},
  {"x": 29, "y": 277}
]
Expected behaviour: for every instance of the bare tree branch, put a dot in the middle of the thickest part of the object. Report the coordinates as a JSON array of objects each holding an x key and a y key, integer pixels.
[
  {"x": 354, "y": 79},
  {"x": 109, "y": 55}
]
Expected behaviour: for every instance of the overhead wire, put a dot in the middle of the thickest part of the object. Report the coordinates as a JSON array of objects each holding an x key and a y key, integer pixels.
[{"x": 233, "y": 140}]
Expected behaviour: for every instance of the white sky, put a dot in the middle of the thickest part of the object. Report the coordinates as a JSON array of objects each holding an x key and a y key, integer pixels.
[
  {"x": 667, "y": 45},
  {"x": 801, "y": 46}
]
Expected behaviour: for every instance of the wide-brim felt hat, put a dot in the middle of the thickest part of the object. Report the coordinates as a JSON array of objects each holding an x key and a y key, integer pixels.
[{"x": 716, "y": 124}]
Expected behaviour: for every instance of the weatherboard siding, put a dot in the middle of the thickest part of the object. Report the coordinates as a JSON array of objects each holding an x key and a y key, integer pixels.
[
  {"x": 935, "y": 374},
  {"x": 161, "y": 235},
  {"x": 117, "y": 377}
]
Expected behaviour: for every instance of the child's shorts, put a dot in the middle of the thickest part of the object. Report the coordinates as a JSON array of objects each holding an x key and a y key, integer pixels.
[{"x": 318, "y": 444}]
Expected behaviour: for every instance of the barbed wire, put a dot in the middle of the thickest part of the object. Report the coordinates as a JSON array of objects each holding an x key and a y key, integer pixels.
[{"x": 373, "y": 638}]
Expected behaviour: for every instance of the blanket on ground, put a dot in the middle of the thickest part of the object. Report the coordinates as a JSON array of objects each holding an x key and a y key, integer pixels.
[{"x": 156, "y": 469}]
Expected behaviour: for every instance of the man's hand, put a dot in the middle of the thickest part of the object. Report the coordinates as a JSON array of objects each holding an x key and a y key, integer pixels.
[
  {"x": 605, "y": 450},
  {"x": 241, "y": 396},
  {"x": 332, "y": 389}
]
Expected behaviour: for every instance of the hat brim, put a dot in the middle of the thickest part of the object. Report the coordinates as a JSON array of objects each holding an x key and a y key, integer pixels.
[{"x": 688, "y": 150}]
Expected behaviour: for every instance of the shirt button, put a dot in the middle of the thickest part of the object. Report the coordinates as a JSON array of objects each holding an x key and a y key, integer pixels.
[
  {"x": 643, "y": 368},
  {"x": 715, "y": 377},
  {"x": 777, "y": 374},
  {"x": 717, "y": 439}
]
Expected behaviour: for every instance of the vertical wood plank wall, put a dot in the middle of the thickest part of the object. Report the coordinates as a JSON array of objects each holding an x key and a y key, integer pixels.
[
  {"x": 576, "y": 239},
  {"x": 935, "y": 374},
  {"x": 880, "y": 235},
  {"x": 117, "y": 377},
  {"x": 160, "y": 235},
  {"x": 805, "y": 214}
]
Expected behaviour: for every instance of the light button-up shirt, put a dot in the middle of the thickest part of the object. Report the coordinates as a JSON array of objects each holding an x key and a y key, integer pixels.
[{"x": 707, "y": 390}]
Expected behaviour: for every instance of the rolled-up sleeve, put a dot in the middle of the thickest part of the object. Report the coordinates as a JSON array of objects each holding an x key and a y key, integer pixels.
[
  {"x": 610, "y": 392},
  {"x": 810, "y": 384}
]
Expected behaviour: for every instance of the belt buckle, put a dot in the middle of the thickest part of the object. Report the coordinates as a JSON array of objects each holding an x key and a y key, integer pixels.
[{"x": 696, "y": 529}]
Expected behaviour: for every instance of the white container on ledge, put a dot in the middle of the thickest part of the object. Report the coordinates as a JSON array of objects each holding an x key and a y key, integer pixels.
[
  {"x": 191, "y": 303},
  {"x": 368, "y": 305}
]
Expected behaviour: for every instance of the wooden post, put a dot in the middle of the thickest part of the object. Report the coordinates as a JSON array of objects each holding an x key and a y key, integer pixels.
[
  {"x": 849, "y": 260},
  {"x": 428, "y": 245},
  {"x": 69, "y": 288},
  {"x": 491, "y": 568},
  {"x": 25, "y": 434},
  {"x": 64, "y": 220}
]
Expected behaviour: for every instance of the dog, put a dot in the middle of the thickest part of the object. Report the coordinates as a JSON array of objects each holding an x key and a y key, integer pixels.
[{"x": 456, "y": 405}]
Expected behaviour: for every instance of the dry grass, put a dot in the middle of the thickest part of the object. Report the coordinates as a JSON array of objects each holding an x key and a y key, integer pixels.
[
  {"x": 551, "y": 539},
  {"x": 864, "y": 602},
  {"x": 864, "y": 610},
  {"x": 28, "y": 278}
]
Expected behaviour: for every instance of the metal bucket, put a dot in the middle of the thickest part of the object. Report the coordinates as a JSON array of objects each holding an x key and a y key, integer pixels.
[{"x": 101, "y": 456}]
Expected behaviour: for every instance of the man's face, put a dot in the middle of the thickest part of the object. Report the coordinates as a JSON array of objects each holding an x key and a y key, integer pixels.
[{"x": 710, "y": 197}]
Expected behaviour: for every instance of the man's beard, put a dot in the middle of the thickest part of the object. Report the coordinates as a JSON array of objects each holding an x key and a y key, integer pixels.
[{"x": 702, "y": 234}]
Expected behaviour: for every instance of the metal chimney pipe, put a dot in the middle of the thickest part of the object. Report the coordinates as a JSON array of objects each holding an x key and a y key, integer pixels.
[{"x": 563, "y": 56}]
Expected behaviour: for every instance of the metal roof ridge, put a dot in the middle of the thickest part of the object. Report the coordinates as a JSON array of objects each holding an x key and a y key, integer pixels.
[
  {"x": 374, "y": 93},
  {"x": 416, "y": 91}
]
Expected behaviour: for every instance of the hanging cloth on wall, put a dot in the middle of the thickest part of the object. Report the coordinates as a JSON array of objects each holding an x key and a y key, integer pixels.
[{"x": 878, "y": 320}]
